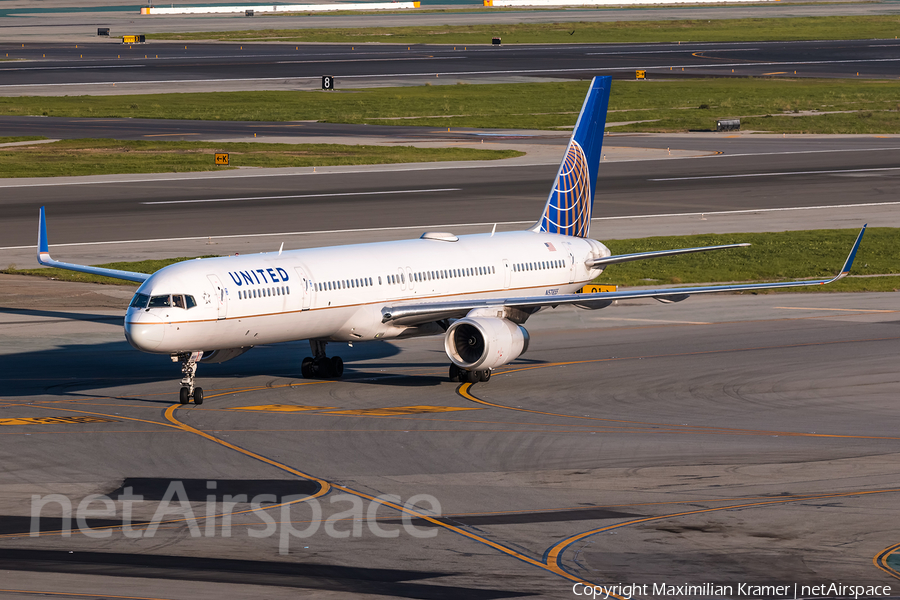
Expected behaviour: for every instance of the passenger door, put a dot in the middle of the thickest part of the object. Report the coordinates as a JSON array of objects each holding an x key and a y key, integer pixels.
[
  {"x": 221, "y": 296},
  {"x": 305, "y": 288},
  {"x": 571, "y": 261}
]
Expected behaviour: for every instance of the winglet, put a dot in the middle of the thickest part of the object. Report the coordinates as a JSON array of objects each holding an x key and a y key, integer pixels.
[
  {"x": 43, "y": 257},
  {"x": 848, "y": 264},
  {"x": 43, "y": 245}
]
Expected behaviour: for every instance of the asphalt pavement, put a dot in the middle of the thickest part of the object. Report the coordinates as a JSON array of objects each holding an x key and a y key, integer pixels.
[{"x": 105, "y": 68}]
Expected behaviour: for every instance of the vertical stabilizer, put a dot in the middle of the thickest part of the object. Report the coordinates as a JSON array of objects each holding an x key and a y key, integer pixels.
[{"x": 568, "y": 209}]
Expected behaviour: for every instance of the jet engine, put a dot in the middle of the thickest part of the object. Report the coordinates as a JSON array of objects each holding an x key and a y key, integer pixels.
[
  {"x": 220, "y": 356},
  {"x": 484, "y": 343}
]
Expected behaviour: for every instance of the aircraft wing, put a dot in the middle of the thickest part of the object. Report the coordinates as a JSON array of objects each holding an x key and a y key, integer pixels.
[
  {"x": 43, "y": 257},
  {"x": 424, "y": 312}
]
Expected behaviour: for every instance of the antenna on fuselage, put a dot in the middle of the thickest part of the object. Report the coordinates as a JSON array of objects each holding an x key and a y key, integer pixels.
[
  {"x": 494, "y": 230},
  {"x": 280, "y": 249}
]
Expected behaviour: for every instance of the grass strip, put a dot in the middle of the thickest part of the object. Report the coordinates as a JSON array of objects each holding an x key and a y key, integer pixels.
[
  {"x": 774, "y": 105},
  {"x": 104, "y": 156},
  {"x": 20, "y": 138},
  {"x": 772, "y": 257},
  {"x": 689, "y": 30}
]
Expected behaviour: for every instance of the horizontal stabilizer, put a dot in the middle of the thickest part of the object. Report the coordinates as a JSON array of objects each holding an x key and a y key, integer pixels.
[{"x": 622, "y": 258}]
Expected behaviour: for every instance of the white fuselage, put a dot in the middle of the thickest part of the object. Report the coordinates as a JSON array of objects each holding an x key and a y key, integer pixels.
[{"x": 337, "y": 293}]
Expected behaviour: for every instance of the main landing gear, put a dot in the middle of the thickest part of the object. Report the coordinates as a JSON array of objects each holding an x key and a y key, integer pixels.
[
  {"x": 188, "y": 362},
  {"x": 466, "y": 376},
  {"x": 319, "y": 366}
]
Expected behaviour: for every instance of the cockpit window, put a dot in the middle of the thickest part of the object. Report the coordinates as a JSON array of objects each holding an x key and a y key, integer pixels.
[
  {"x": 178, "y": 300},
  {"x": 159, "y": 302},
  {"x": 139, "y": 301},
  {"x": 190, "y": 302}
]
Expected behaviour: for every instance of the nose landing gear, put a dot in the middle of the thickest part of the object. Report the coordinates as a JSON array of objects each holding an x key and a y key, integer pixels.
[
  {"x": 320, "y": 366},
  {"x": 188, "y": 362}
]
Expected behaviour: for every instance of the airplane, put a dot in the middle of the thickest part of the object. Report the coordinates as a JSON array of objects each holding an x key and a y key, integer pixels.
[{"x": 475, "y": 290}]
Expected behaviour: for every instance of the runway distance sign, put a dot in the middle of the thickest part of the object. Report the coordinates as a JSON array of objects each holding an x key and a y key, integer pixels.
[
  {"x": 55, "y": 421},
  {"x": 327, "y": 82},
  {"x": 222, "y": 158}
]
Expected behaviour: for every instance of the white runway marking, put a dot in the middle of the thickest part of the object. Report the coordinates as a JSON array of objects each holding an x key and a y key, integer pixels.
[
  {"x": 746, "y": 211},
  {"x": 653, "y": 321},
  {"x": 356, "y": 60},
  {"x": 740, "y": 175},
  {"x": 304, "y": 196},
  {"x": 685, "y": 49},
  {"x": 863, "y": 310},
  {"x": 446, "y": 226},
  {"x": 493, "y": 72},
  {"x": 79, "y": 67}
]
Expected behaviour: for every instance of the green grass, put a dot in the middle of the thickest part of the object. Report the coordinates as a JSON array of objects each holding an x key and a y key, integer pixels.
[
  {"x": 98, "y": 157},
  {"x": 20, "y": 138},
  {"x": 143, "y": 266},
  {"x": 674, "y": 105},
  {"x": 724, "y": 30},
  {"x": 772, "y": 257}
]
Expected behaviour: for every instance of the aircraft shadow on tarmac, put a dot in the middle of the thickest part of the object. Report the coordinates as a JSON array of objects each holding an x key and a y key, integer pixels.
[
  {"x": 83, "y": 370},
  {"x": 289, "y": 573},
  {"x": 59, "y": 315}
]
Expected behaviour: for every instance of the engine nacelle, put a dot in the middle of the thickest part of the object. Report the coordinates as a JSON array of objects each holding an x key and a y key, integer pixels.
[
  {"x": 593, "y": 304},
  {"x": 481, "y": 343},
  {"x": 220, "y": 356}
]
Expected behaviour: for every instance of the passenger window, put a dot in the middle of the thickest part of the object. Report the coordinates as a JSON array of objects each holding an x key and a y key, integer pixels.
[
  {"x": 288, "y": 288},
  {"x": 379, "y": 280}
]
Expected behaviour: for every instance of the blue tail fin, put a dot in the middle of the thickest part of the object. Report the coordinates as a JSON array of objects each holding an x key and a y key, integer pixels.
[{"x": 568, "y": 209}]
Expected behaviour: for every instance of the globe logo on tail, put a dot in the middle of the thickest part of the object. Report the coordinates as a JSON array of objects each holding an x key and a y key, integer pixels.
[{"x": 568, "y": 209}]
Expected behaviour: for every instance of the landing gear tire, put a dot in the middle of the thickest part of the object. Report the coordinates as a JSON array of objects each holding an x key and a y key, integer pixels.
[
  {"x": 320, "y": 366},
  {"x": 306, "y": 368},
  {"x": 472, "y": 376},
  {"x": 455, "y": 373},
  {"x": 337, "y": 367},
  {"x": 485, "y": 375},
  {"x": 188, "y": 362}
]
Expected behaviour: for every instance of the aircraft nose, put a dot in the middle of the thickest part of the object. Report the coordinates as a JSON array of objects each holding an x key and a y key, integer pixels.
[{"x": 143, "y": 330}]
